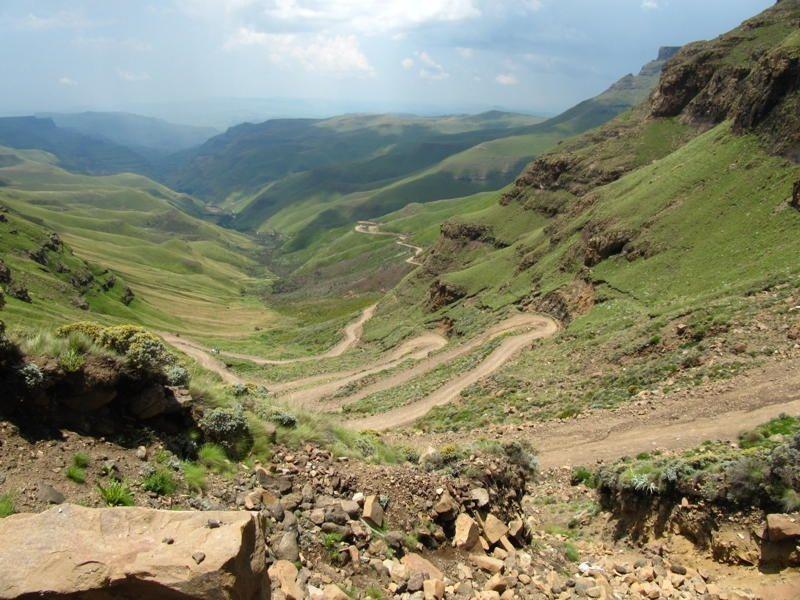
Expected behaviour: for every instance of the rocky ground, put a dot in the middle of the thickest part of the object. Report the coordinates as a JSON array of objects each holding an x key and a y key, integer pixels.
[{"x": 478, "y": 526}]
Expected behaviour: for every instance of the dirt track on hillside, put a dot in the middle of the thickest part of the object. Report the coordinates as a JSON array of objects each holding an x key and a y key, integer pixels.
[
  {"x": 719, "y": 412},
  {"x": 373, "y": 228}
]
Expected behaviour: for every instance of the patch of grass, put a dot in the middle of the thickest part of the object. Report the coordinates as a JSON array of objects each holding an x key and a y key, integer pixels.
[
  {"x": 81, "y": 460},
  {"x": 116, "y": 493},
  {"x": 213, "y": 458},
  {"x": 76, "y": 474},
  {"x": 6, "y": 506},
  {"x": 195, "y": 476},
  {"x": 571, "y": 552},
  {"x": 161, "y": 482},
  {"x": 582, "y": 475},
  {"x": 783, "y": 425}
]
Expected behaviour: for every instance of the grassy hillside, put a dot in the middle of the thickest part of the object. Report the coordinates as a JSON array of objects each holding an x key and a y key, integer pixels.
[
  {"x": 680, "y": 211},
  {"x": 180, "y": 269},
  {"x": 315, "y": 222},
  {"x": 250, "y": 156}
]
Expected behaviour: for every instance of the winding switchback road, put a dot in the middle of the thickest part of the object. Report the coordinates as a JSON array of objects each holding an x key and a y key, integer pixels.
[{"x": 373, "y": 228}]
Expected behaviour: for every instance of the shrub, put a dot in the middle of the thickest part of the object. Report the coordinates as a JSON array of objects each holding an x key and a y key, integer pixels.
[
  {"x": 76, "y": 474},
  {"x": 571, "y": 553},
  {"x": 116, "y": 493},
  {"x": 71, "y": 360},
  {"x": 81, "y": 460},
  {"x": 522, "y": 454},
  {"x": 160, "y": 482},
  {"x": 228, "y": 428},
  {"x": 178, "y": 376},
  {"x": 6, "y": 506},
  {"x": 582, "y": 475},
  {"x": 195, "y": 476},
  {"x": 142, "y": 349},
  {"x": 213, "y": 457},
  {"x": 32, "y": 375},
  {"x": 283, "y": 419}
]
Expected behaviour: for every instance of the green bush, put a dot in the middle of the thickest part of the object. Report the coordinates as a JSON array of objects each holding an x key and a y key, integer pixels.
[
  {"x": 161, "y": 482},
  {"x": 6, "y": 506},
  {"x": 116, "y": 493},
  {"x": 71, "y": 360},
  {"x": 178, "y": 376},
  {"x": 81, "y": 460},
  {"x": 228, "y": 428},
  {"x": 195, "y": 476},
  {"x": 76, "y": 474},
  {"x": 213, "y": 458},
  {"x": 582, "y": 475}
]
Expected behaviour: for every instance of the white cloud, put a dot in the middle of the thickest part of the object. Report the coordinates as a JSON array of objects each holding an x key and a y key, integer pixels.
[
  {"x": 60, "y": 20},
  {"x": 132, "y": 77},
  {"x": 430, "y": 68},
  {"x": 370, "y": 17},
  {"x": 100, "y": 42},
  {"x": 465, "y": 52},
  {"x": 408, "y": 63},
  {"x": 321, "y": 53},
  {"x": 67, "y": 81},
  {"x": 650, "y": 4},
  {"x": 506, "y": 79}
]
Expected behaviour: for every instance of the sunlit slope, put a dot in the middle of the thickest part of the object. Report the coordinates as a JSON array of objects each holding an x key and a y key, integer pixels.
[{"x": 186, "y": 274}]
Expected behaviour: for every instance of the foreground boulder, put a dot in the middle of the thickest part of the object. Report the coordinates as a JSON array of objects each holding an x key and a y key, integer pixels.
[{"x": 131, "y": 553}]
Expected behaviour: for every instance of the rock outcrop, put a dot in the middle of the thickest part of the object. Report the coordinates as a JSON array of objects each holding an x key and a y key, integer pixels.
[{"x": 75, "y": 552}]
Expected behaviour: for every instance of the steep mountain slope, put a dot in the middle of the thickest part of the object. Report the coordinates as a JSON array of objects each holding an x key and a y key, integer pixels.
[
  {"x": 681, "y": 209},
  {"x": 133, "y": 231},
  {"x": 249, "y": 156},
  {"x": 317, "y": 226},
  {"x": 146, "y": 135},
  {"x": 75, "y": 151}
]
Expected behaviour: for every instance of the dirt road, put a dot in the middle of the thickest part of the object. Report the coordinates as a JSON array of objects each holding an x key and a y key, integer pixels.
[
  {"x": 373, "y": 228},
  {"x": 352, "y": 334},
  {"x": 719, "y": 412},
  {"x": 508, "y": 349}
]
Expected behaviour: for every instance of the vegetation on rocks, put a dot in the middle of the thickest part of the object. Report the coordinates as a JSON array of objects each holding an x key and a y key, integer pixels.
[{"x": 762, "y": 470}]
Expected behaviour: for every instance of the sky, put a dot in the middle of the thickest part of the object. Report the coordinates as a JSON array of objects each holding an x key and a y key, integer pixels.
[{"x": 195, "y": 60}]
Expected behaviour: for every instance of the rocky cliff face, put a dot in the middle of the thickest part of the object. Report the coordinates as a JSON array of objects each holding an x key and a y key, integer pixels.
[{"x": 743, "y": 76}]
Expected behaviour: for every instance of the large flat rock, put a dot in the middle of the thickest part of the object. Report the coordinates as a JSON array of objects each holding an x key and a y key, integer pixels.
[{"x": 125, "y": 553}]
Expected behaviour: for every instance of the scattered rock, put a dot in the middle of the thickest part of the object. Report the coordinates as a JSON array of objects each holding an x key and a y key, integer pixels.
[
  {"x": 373, "y": 511},
  {"x": 467, "y": 532},
  {"x": 47, "y": 493},
  {"x": 417, "y": 564},
  {"x": 782, "y": 527},
  {"x": 494, "y": 529}
]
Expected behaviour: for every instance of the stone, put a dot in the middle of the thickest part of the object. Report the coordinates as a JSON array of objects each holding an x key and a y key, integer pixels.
[
  {"x": 47, "y": 493},
  {"x": 284, "y": 575},
  {"x": 141, "y": 453},
  {"x": 487, "y": 563},
  {"x": 480, "y": 496},
  {"x": 417, "y": 564},
  {"x": 351, "y": 507},
  {"x": 433, "y": 589},
  {"x": 678, "y": 569},
  {"x": 317, "y": 516},
  {"x": 782, "y": 527},
  {"x": 373, "y": 511},
  {"x": 414, "y": 583},
  {"x": 431, "y": 458},
  {"x": 334, "y": 592},
  {"x": 287, "y": 548},
  {"x": 494, "y": 529},
  {"x": 467, "y": 532},
  {"x": 86, "y": 551},
  {"x": 199, "y": 557},
  {"x": 499, "y": 583},
  {"x": 446, "y": 507}
]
